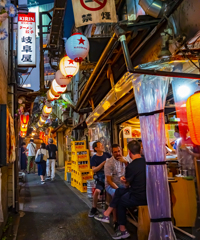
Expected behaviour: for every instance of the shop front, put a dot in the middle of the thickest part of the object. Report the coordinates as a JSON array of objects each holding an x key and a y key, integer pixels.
[{"x": 155, "y": 111}]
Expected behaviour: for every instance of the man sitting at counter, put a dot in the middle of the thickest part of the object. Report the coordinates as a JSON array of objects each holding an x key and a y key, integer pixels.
[
  {"x": 114, "y": 169},
  {"x": 133, "y": 195}
]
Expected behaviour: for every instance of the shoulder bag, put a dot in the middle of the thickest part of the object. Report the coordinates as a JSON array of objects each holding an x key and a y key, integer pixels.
[{"x": 39, "y": 158}]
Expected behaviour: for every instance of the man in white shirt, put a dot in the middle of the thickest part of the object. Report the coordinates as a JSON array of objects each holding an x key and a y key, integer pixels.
[
  {"x": 31, "y": 155},
  {"x": 114, "y": 169}
]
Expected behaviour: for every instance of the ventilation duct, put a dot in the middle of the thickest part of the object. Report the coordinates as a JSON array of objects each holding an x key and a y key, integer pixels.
[{"x": 153, "y": 8}]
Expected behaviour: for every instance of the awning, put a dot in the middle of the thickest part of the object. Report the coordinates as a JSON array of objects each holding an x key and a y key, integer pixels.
[
  {"x": 124, "y": 88},
  {"x": 80, "y": 126},
  {"x": 62, "y": 127}
]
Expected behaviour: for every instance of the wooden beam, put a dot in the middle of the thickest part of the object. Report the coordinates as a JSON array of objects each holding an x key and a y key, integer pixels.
[
  {"x": 91, "y": 102},
  {"x": 110, "y": 76}
]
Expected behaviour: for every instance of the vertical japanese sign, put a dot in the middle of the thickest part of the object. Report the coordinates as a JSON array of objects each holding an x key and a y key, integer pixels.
[
  {"x": 94, "y": 11},
  {"x": 26, "y": 55}
]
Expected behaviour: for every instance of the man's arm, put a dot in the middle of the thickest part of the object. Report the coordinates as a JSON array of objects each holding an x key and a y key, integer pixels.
[
  {"x": 98, "y": 168},
  {"x": 110, "y": 182}
]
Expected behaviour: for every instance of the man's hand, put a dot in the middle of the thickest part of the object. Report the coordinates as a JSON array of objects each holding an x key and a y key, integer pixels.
[
  {"x": 123, "y": 179},
  {"x": 121, "y": 159}
]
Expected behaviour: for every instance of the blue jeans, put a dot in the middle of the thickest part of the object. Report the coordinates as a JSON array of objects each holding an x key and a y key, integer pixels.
[{"x": 111, "y": 190}]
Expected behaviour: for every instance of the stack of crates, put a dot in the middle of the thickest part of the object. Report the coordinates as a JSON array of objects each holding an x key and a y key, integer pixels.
[{"x": 80, "y": 168}]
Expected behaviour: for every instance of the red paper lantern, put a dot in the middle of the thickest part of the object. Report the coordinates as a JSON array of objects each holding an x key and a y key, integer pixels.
[
  {"x": 193, "y": 117},
  {"x": 24, "y": 119},
  {"x": 77, "y": 47}
]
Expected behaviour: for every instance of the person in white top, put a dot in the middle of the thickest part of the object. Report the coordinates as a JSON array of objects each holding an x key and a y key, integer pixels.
[
  {"x": 31, "y": 155},
  {"x": 42, "y": 165}
]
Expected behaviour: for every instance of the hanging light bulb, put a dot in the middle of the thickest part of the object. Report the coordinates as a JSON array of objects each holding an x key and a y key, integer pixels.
[
  {"x": 56, "y": 88},
  {"x": 68, "y": 67}
]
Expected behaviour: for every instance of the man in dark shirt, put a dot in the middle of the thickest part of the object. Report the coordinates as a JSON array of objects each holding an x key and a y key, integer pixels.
[
  {"x": 133, "y": 195},
  {"x": 97, "y": 163},
  {"x": 51, "y": 161}
]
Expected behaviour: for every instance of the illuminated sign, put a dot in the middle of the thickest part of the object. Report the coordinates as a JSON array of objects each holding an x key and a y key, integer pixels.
[{"x": 26, "y": 55}]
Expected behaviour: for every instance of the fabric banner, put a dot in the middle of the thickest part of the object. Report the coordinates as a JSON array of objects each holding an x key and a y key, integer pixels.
[
  {"x": 94, "y": 11},
  {"x": 12, "y": 140}
]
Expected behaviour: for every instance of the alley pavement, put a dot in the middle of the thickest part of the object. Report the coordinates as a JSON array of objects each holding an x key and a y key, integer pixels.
[{"x": 53, "y": 212}]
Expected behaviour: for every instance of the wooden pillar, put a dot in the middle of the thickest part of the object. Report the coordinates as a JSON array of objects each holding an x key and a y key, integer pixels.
[{"x": 60, "y": 143}]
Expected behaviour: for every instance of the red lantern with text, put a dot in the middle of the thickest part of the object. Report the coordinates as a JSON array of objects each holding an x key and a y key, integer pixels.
[
  {"x": 77, "y": 47},
  {"x": 68, "y": 67},
  {"x": 193, "y": 117}
]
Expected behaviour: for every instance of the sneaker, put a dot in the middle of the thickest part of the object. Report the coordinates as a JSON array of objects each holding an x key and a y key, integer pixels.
[
  {"x": 92, "y": 212},
  {"x": 52, "y": 180},
  {"x": 115, "y": 226},
  {"x": 48, "y": 178},
  {"x": 102, "y": 218},
  {"x": 42, "y": 182},
  {"x": 121, "y": 235}
]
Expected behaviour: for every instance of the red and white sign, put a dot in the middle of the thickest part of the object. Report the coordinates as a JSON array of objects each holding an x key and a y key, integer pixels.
[
  {"x": 94, "y": 11},
  {"x": 26, "y": 55}
]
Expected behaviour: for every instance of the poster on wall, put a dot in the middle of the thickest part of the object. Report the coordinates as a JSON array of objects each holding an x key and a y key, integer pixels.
[
  {"x": 26, "y": 55},
  {"x": 127, "y": 132},
  {"x": 94, "y": 11}
]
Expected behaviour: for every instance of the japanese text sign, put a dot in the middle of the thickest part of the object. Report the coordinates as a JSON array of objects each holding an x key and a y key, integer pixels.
[
  {"x": 94, "y": 11},
  {"x": 26, "y": 55}
]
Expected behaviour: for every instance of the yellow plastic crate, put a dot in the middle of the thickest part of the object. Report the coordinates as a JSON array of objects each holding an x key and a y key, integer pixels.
[
  {"x": 78, "y": 145},
  {"x": 82, "y": 186},
  {"x": 72, "y": 181},
  {"x": 80, "y": 155},
  {"x": 84, "y": 176},
  {"x": 82, "y": 166}
]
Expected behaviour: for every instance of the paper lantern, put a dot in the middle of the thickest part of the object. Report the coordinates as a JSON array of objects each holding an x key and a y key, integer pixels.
[
  {"x": 24, "y": 125},
  {"x": 193, "y": 117},
  {"x": 56, "y": 88},
  {"x": 23, "y": 129},
  {"x": 24, "y": 119},
  {"x": 52, "y": 97},
  {"x": 40, "y": 124},
  {"x": 68, "y": 67},
  {"x": 61, "y": 79},
  {"x": 46, "y": 111},
  {"x": 43, "y": 119},
  {"x": 77, "y": 47}
]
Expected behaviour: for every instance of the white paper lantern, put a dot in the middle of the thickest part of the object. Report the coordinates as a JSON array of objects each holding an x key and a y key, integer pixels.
[
  {"x": 61, "y": 79},
  {"x": 46, "y": 110},
  {"x": 77, "y": 47},
  {"x": 68, "y": 67},
  {"x": 43, "y": 118},
  {"x": 52, "y": 97},
  {"x": 40, "y": 124},
  {"x": 56, "y": 88}
]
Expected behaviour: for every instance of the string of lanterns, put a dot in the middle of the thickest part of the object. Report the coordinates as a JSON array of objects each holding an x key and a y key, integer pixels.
[{"x": 77, "y": 48}]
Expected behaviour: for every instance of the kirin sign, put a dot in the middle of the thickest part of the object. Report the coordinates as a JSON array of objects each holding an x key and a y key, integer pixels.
[{"x": 26, "y": 55}]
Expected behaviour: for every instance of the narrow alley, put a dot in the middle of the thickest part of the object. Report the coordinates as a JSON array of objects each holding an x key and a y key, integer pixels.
[{"x": 52, "y": 211}]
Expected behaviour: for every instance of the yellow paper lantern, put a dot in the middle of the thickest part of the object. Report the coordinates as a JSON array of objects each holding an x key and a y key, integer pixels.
[
  {"x": 68, "y": 67},
  {"x": 193, "y": 117},
  {"x": 52, "y": 97},
  {"x": 40, "y": 124},
  {"x": 46, "y": 111},
  {"x": 56, "y": 89},
  {"x": 23, "y": 129}
]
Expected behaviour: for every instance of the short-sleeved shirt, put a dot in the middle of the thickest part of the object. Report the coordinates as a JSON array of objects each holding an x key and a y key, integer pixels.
[
  {"x": 135, "y": 174},
  {"x": 115, "y": 169},
  {"x": 52, "y": 149},
  {"x": 31, "y": 149},
  {"x": 96, "y": 161}
]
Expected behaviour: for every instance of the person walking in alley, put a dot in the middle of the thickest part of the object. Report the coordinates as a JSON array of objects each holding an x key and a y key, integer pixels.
[
  {"x": 42, "y": 165},
  {"x": 31, "y": 155},
  {"x": 97, "y": 163},
  {"x": 51, "y": 161}
]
